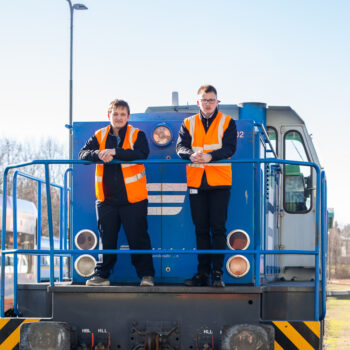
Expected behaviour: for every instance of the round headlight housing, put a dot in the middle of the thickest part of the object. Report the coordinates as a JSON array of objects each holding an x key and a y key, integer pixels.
[
  {"x": 238, "y": 240},
  {"x": 86, "y": 240},
  {"x": 85, "y": 265},
  {"x": 237, "y": 266},
  {"x": 162, "y": 135}
]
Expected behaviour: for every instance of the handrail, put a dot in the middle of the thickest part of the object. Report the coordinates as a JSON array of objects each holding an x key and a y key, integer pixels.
[
  {"x": 60, "y": 270},
  {"x": 160, "y": 161},
  {"x": 67, "y": 252},
  {"x": 258, "y": 252},
  {"x": 15, "y": 260},
  {"x": 324, "y": 236},
  {"x": 38, "y": 228},
  {"x": 267, "y": 137},
  {"x": 65, "y": 218},
  {"x": 15, "y": 257}
]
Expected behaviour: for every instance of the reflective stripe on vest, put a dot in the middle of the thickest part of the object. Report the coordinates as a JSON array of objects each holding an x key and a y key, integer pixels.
[
  {"x": 135, "y": 177},
  {"x": 134, "y": 174},
  {"x": 218, "y": 174},
  {"x": 101, "y": 136},
  {"x": 132, "y": 131}
]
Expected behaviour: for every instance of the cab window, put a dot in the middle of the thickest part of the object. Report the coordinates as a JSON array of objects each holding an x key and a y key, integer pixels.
[
  {"x": 272, "y": 133},
  {"x": 9, "y": 260},
  {"x": 297, "y": 178}
]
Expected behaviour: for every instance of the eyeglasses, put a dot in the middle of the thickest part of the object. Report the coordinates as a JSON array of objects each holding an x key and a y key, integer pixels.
[{"x": 210, "y": 101}]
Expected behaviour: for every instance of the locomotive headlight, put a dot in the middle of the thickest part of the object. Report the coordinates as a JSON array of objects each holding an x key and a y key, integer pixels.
[
  {"x": 238, "y": 240},
  {"x": 85, "y": 265},
  {"x": 238, "y": 266},
  {"x": 162, "y": 135},
  {"x": 44, "y": 336},
  {"x": 85, "y": 240},
  {"x": 247, "y": 336}
]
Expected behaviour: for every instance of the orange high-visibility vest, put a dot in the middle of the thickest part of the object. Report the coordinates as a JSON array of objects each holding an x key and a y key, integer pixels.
[
  {"x": 218, "y": 174},
  {"x": 134, "y": 174}
]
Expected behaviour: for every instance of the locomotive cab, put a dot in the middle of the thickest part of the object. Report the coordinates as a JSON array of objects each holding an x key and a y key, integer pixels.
[{"x": 298, "y": 195}]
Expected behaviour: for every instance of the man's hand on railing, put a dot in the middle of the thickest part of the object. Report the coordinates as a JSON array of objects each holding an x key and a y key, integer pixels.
[{"x": 107, "y": 154}]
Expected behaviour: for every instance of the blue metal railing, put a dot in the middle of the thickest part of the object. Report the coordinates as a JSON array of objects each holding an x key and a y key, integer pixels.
[
  {"x": 15, "y": 231},
  {"x": 65, "y": 224},
  {"x": 63, "y": 219},
  {"x": 266, "y": 138},
  {"x": 324, "y": 241},
  {"x": 320, "y": 229}
]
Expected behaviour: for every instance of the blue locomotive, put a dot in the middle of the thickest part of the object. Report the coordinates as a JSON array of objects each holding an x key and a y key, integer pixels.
[{"x": 275, "y": 258}]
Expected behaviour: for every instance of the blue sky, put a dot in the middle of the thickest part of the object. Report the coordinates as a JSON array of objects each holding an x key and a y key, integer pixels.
[{"x": 282, "y": 52}]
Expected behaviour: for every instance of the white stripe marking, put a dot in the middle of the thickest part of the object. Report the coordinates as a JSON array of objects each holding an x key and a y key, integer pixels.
[
  {"x": 166, "y": 199},
  {"x": 163, "y": 187},
  {"x": 164, "y": 210}
]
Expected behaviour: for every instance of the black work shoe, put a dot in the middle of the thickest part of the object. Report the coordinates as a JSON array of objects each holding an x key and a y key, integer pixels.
[
  {"x": 217, "y": 279},
  {"x": 198, "y": 280}
]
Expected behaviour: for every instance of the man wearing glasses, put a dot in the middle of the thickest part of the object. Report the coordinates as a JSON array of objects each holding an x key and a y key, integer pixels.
[{"x": 203, "y": 138}]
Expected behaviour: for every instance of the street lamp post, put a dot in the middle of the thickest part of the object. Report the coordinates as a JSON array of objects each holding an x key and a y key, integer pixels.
[
  {"x": 72, "y": 7},
  {"x": 70, "y": 126}
]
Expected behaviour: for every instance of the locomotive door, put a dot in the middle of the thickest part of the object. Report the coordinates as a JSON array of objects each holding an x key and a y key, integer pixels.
[
  {"x": 169, "y": 217},
  {"x": 298, "y": 207}
]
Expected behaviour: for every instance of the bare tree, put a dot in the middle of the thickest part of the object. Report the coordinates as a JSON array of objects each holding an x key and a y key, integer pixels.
[
  {"x": 339, "y": 252},
  {"x": 334, "y": 251},
  {"x": 15, "y": 152}
]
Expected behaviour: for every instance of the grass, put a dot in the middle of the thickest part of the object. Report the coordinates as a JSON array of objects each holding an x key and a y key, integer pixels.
[
  {"x": 338, "y": 287},
  {"x": 337, "y": 325}
]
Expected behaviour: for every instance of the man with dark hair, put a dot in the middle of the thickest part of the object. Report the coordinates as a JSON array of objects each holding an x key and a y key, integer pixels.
[
  {"x": 203, "y": 138},
  {"x": 121, "y": 192}
]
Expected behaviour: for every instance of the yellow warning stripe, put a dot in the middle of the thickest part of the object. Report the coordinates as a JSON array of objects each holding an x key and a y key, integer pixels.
[
  {"x": 3, "y": 322},
  {"x": 277, "y": 346},
  {"x": 13, "y": 339},
  {"x": 315, "y": 327},
  {"x": 295, "y": 337}
]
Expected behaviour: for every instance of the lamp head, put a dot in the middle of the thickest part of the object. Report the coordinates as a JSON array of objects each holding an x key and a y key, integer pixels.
[{"x": 79, "y": 7}]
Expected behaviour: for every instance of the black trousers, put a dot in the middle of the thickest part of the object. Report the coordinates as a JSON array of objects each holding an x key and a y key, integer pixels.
[
  {"x": 209, "y": 215},
  {"x": 133, "y": 217}
]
